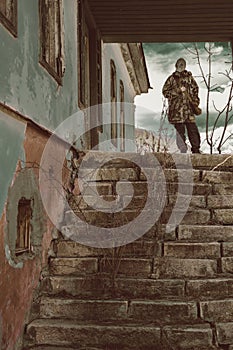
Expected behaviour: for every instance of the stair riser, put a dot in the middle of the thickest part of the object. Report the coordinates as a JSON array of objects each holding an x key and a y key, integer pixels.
[
  {"x": 184, "y": 268},
  {"x": 136, "y": 249},
  {"x": 103, "y": 288},
  {"x": 136, "y": 311},
  {"x": 109, "y": 338},
  {"x": 214, "y": 233},
  {"x": 73, "y": 266},
  {"x": 159, "y": 267},
  {"x": 188, "y": 337}
]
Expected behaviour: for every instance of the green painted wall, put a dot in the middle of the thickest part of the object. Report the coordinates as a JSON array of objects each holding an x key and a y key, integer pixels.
[
  {"x": 25, "y": 84},
  {"x": 11, "y": 146}
]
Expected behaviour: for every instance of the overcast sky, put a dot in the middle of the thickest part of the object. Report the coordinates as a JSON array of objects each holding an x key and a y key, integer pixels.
[{"x": 161, "y": 59}]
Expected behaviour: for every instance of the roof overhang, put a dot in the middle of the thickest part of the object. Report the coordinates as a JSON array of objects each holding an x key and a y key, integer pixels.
[
  {"x": 163, "y": 20},
  {"x": 135, "y": 62}
]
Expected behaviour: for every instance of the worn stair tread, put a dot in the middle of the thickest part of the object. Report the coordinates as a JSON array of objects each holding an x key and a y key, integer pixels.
[
  {"x": 69, "y": 248},
  {"x": 48, "y": 347},
  {"x": 138, "y": 267},
  {"x": 67, "y": 323},
  {"x": 170, "y": 285},
  {"x": 136, "y": 311},
  {"x": 101, "y": 285},
  {"x": 104, "y": 276},
  {"x": 142, "y": 289},
  {"x": 205, "y": 233},
  {"x": 192, "y": 250},
  {"x": 71, "y": 332},
  {"x": 146, "y": 337},
  {"x": 79, "y": 324}
]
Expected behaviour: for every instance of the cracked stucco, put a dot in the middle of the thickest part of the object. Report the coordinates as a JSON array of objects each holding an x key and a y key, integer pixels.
[{"x": 12, "y": 133}]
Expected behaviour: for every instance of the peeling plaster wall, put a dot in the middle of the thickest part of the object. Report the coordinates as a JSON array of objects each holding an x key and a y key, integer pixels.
[
  {"x": 28, "y": 88},
  {"x": 19, "y": 276},
  {"x": 11, "y": 146},
  {"x": 25, "y": 84}
]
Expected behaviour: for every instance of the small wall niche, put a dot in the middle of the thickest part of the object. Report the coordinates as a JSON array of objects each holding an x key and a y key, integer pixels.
[{"x": 24, "y": 228}]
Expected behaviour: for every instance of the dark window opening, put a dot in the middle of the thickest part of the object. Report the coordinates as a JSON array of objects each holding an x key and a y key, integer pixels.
[
  {"x": 113, "y": 104},
  {"x": 83, "y": 76},
  {"x": 51, "y": 37},
  {"x": 122, "y": 116},
  {"x": 23, "y": 226},
  {"x": 8, "y": 15},
  {"x": 99, "y": 84}
]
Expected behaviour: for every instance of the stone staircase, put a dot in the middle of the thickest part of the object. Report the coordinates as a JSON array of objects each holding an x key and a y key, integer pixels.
[{"x": 165, "y": 290}]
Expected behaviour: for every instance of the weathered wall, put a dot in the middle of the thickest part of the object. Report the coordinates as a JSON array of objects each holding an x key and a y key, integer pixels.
[
  {"x": 28, "y": 88},
  {"x": 20, "y": 275},
  {"x": 25, "y": 84},
  {"x": 11, "y": 145}
]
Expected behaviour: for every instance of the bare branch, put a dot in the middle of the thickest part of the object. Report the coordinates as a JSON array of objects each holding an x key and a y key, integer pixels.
[{"x": 223, "y": 162}]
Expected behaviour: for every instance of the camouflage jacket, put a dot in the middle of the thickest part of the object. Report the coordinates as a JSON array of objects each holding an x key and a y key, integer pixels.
[{"x": 179, "y": 109}]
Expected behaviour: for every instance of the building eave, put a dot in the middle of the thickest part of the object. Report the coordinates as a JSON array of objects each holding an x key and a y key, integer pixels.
[{"x": 136, "y": 65}]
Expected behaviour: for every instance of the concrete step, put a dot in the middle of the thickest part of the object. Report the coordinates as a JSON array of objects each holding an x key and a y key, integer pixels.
[
  {"x": 140, "y": 188},
  {"x": 101, "y": 286},
  {"x": 210, "y": 288},
  {"x": 135, "y": 174},
  {"x": 137, "y": 267},
  {"x": 188, "y": 201},
  {"x": 168, "y": 267},
  {"x": 192, "y": 216},
  {"x": 130, "y": 288},
  {"x": 131, "y": 267},
  {"x": 197, "y": 189},
  {"x": 167, "y": 160},
  {"x": 81, "y": 336},
  {"x": 135, "y": 311},
  {"x": 138, "y": 248},
  {"x": 73, "y": 266},
  {"x": 205, "y": 233},
  {"x": 118, "y": 337},
  {"x": 187, "y": 250},
  {"x": 48, "y": 347}
]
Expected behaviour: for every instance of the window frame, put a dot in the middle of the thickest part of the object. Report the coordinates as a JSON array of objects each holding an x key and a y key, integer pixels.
[
  {"x": 10, "y": 22},
  {"x": 49, "y": 47},
  {"x": 83, "y": 56},
  {"x": 99, "y": 83},
  {"x": 122, "y": 116},
  {"x": 113, "y": 97}
]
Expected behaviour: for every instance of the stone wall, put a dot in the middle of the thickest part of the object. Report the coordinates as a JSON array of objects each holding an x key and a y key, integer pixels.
[{"x": 167, "y": 288}]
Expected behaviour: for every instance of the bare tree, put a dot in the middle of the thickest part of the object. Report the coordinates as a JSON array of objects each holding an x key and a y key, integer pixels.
[
  {"x": 226, "y": 112},
  {"x": 164, "y": 140}
]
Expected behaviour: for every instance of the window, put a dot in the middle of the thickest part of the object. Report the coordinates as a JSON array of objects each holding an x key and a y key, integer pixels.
[
  {"x": 122, "y": 116},
  {"x": 113, "y": 104},
  {"x": 23, "y": 226},
  {"x": 99, "y": 83},
  {"x": 8, "y": 15},
  {"x": 96, "y": 113},
  {"x": 51, "y": 37},
  {"x": 83, "y": 76}
]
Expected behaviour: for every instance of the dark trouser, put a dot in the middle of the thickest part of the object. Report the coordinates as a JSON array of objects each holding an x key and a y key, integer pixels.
[{"x": 193, "y": 135}]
